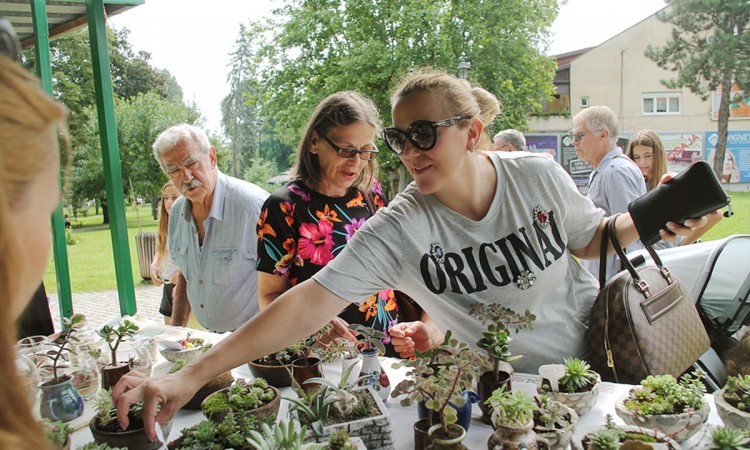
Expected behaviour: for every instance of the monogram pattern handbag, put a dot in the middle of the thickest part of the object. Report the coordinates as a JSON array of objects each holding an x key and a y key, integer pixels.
[{"x": 643, "y": 321}]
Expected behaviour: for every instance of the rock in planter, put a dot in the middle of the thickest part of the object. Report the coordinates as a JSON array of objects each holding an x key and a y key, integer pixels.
[
  {"x": 678, "y": 426},
  {"x": 375, "y": 432},
  {"x": 731, "y": 416}
]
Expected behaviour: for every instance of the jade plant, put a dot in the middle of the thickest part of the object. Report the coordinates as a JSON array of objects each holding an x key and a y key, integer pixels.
[
  {"x": 114, "y": 336},
  {"x": 60, "y": 344},
  {"x": 440, "y": 376},
  {"x": 496, "y": 339},
  {"x": 663, "y": 394},
  {"x": 737, "y": 392},
  {"x": 512, "y": 409}
]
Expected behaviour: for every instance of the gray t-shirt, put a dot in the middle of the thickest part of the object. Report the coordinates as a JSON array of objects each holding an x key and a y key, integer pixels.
[{"x": 516, "y": 255}]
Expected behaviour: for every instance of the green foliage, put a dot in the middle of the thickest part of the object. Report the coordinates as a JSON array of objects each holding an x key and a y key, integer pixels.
[
  {"x": 62, "y": 340},
  {"x": 239, "y": 398},
  {"x": 314, "y": 405},
  {"x": 369, "y": 338},
  {"x": 496, "y": 339},
  {"x": 578, "y": 374},
  {"x": 115, "y": 334},
  {"x": 106, "y": 410},
  {"x": 335, "y": 350},
  {"x": 70, "y": 239},
  {"x": 725, "y": 438},
  {"x": 233, "y": 432},
  {"x": 260, "y": 170},
  {"x": 283, "y": 436},
  {"x": 95, "y": 446},
  {"x": 737, "y": 391},
  {"x": 339, "y": 440},
  {"x": 707, "y": 50},
  {"x": 663, "y": 394},
  {"x": 56, "y": 431},
  {"x": 552, "y": 415},
  {"x": 440, "y": 376},
  {"x": 513, "y": 409}
]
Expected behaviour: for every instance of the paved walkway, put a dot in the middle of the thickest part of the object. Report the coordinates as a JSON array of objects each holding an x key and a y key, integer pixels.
[{"x": 103, "y": 305}]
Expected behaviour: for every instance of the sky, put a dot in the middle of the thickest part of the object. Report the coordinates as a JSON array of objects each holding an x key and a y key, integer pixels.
[{"x": 193, "y": 38}]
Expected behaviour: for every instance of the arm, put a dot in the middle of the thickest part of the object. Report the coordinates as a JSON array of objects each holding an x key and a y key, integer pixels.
[
  {"x": 270, "y": 287},
  {"x": 155, "y": 269},
  {"x": 266, "y": 333},
  {"x": 180, "y": 303}
]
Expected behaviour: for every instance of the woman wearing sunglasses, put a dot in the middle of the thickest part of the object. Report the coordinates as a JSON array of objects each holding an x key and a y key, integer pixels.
[
  {"x": 306, "y": 223},
  {"x": 474, "y": 228}
]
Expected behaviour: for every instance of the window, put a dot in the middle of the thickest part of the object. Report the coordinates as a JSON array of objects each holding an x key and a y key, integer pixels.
[
  {"x": 662, "y": 103},
  {"x": 584, "y": 102}
]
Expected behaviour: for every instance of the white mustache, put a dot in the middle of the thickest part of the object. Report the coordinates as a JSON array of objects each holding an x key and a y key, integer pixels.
[{"x": 192, "y": 184}]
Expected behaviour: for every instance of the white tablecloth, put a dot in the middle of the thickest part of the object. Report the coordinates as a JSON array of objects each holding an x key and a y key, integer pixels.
[{"x": 402, "y": 418}]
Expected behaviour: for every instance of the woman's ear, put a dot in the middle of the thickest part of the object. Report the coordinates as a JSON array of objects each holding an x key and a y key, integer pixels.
[
  {"x": 314, "y": 140},
  {"x": 475, "y": 133}
]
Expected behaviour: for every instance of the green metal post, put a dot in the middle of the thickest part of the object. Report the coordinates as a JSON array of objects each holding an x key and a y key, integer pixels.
[
  {"x": 111, "y": 155},
  {"x": 60, "y": 251}
]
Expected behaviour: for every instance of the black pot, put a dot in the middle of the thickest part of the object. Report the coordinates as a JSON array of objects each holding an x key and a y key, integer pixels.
[
  {"x": 276, "y": 375},
  {"x": 136, "y": 438},
  {"x": 486, "y": 385},
  {"x": 422, "y": 439},
  {"x": 305, "y": 368}
]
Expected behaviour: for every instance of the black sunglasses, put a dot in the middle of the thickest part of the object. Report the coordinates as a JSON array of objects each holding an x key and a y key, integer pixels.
[
  {"x": 347, "y": 153},
  {"x": 422, "y": 134}
]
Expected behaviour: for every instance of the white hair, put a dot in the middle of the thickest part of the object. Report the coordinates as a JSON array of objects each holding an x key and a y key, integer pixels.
[
  {"x": 597, "y": 118},
  {"x": 177, "y": 136},
  {"x": 512, "y": 136}
]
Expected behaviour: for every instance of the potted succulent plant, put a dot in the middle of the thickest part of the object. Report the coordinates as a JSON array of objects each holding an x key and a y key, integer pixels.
[
  {"x": 725, "y": 438},
  {"x": 95, "y": 446},
  {"x": 255, "y": 398},
  {"x": 441, "y": 378},
  {"x": 106, "y": 429},
  {"x": 578, "y": 387},
  {"x": 276, "y": 368},
  {"x": 496, "y": 341},
  {"x": 284, "y": 435},
  {"x": 733, "y": 402},
  {"x": 57, "y": 433},
  {"x": 346, "y": 405},
  {"x": 114, "y": 336},
  {"x": 235, "y": 432},
  {"x": 675, "y": 408},
  {"x": 612, "y": 436},
  {"x": 554, "y": 422},
  {"x": 370, "y": 345},
  {"x": 512, "y": 415},
  {"x": 60, "y": 400}
]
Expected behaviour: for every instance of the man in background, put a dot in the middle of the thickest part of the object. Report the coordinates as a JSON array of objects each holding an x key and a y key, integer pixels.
[
  {"x": 509, "y": 141},
  {"x": 211, "y": 236}
]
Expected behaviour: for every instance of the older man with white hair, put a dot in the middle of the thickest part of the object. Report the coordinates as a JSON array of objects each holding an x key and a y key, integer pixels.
[
  {"x": 616, "y": 180},
  {"x": 212, "y": 234}
]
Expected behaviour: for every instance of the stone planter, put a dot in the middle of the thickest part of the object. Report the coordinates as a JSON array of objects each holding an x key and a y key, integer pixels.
[
  {"x": 559, "y": 439},
  {"x": 663, "y": 440},
  {"x": 353, "y": 442},
  {"x": 376, "y": 432},
  {"x": 677, "y": 426},
  {"x": 580, "y": 402},
  {"x": 731, "y": 416}
]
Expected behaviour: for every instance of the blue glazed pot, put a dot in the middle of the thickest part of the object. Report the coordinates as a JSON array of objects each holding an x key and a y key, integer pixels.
[
  {"x": 61, "y": 401},
  {"x": 464, "y": 412}
]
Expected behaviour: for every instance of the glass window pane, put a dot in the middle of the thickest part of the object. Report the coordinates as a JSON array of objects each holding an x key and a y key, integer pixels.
[
  {"x": 661, "y": 104},
  {"x": 648, "y": 105},
  {"x": 674, "y": 104}
]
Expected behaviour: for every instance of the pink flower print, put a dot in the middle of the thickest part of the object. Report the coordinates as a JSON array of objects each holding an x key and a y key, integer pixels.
[
  {"x": 352, "y": 227},
  {"x": 316, "y": 242},
  {"x": 304, "y": 195}
]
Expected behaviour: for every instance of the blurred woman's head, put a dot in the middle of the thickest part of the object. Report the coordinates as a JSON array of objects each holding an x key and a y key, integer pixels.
[
  {"x": 169, "y": 194},
  {"x": 435, "y": 129},
  {"x": 337, "y": 150},
  {"x": 647, "y": 150},
  {"x": 489, "y": 108},
  {"x": 29, "y": 193}
]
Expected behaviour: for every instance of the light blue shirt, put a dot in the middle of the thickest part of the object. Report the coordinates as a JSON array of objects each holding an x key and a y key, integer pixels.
[
  {"x": 222, "y": 283},
  {"x": 615, "y": 183}
]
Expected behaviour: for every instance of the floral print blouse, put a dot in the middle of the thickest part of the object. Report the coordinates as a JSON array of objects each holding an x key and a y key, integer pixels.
[{"x": 301, "y": 230}]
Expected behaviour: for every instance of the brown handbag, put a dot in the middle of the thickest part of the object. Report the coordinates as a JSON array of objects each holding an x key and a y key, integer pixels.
[{"x": 643, "y": 322}]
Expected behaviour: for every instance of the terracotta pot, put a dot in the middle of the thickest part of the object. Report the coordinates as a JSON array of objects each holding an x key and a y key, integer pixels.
[
  {"x": 305, "y": 368},
  {"x": 269, "y": 409},
  {"x": 731, "y": 415},
  {"x": 112, "y": 374},
  {"x": 486, "y": 385},
  {"x": 422, "y": 439},
  {"x": 125, "y": 439},
  {"x": 222, "y": 381},
  {"x": 678, "y": 426},
  {"x": 276, "y": 375},
  {"x": 452, "y": 442}
]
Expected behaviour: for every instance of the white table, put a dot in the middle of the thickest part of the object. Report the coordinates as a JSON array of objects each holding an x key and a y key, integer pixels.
[{"x": 403, "y": 418}]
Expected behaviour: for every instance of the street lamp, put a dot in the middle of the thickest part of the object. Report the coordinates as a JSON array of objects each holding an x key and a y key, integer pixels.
[
  {"x": 259, "y": 124},
  {"x": 463, "y": 69}
]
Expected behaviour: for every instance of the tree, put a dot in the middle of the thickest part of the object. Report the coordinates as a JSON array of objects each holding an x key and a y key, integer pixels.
[
  {"x": 313, "y": 48},
  {"x": 709, "y": 49}
]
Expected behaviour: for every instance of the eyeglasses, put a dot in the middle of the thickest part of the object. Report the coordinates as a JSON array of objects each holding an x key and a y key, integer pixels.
[
  {"x": 422, "y": 134},
  {"x": 347, "y": 153},
  {"x": 578, "y": 137}
]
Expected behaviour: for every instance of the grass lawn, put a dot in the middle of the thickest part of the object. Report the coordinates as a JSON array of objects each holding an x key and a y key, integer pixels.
[
  {"x": 91, "y": 261},
  {"x": 92, "y": 267}
]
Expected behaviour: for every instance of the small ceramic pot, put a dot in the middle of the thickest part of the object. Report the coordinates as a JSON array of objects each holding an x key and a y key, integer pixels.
[
  {"x": 61, "y": 401},
  {"x": 447, "y": 443},
  {"x": 731, "y": 416},
  {"x": 125, "y": 439},
  {"x": 678, "y": 426},
  {"x": 580, "y": 402},
  {"x": 422, "y": 438},
  {"x": 514, "y": 438},
  {"x": 488, "y": 384},
  {"x": 305, "y": 368},
  {"x": 560, "y": 438}
]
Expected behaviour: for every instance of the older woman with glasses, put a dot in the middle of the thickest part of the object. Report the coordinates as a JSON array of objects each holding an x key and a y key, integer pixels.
[
  {"x": 306, "y": 223},
  {"x": 474, "y": 228}
]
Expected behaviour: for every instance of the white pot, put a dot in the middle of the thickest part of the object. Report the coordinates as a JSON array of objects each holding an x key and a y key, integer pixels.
[
  {"x": 677, "y": 426},
  {"x": 580, "y": 402}
]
